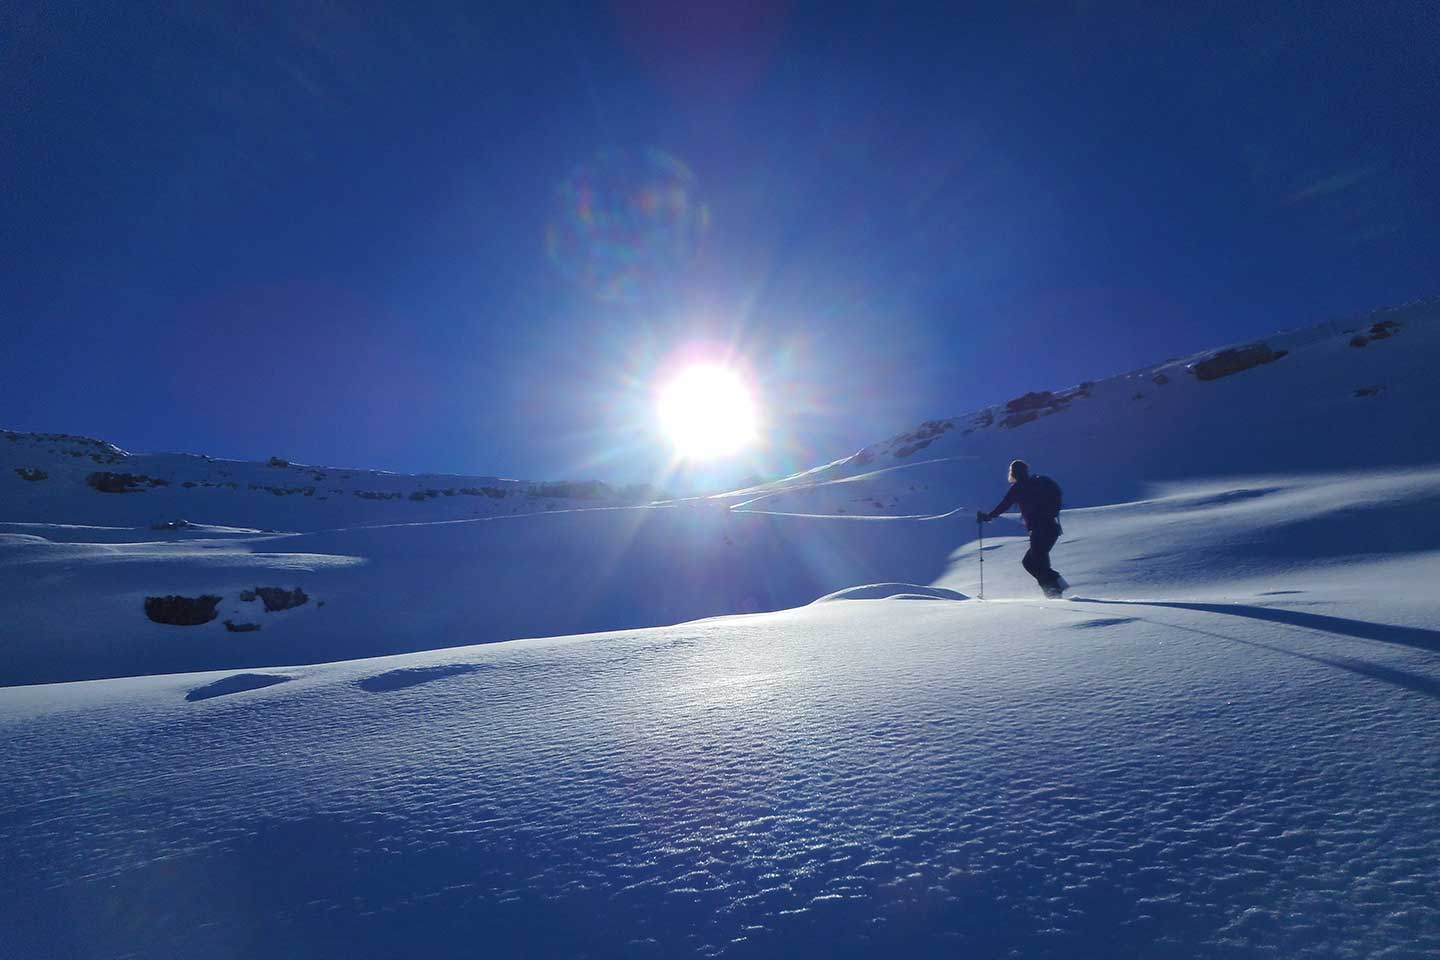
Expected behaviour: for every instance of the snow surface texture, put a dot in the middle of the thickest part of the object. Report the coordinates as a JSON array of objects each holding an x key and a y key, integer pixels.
[
  {"x": 1246, "y": 777},
  {"x": 1227, "y": 747}
]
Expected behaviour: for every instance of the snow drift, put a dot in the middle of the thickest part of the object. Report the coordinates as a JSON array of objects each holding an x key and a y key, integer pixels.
[{"x": 1225, "y": 745}]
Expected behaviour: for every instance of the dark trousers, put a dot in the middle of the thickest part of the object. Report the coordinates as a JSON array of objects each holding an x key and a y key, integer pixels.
[{"x": 1037, "y": 558}]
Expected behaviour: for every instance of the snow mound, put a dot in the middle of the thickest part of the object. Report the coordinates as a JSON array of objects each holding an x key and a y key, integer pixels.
[{"x": 893, "y": 591}]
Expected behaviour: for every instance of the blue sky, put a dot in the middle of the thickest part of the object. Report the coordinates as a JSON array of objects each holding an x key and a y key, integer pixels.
[{"x": 328, "y": 232}]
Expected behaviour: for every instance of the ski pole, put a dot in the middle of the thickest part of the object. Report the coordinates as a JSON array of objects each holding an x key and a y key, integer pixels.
[{"x": 980, "y": 532}]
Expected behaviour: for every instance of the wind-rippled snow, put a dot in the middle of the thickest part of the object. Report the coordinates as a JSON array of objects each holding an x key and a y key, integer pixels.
[{"x": 929, "y": 777}]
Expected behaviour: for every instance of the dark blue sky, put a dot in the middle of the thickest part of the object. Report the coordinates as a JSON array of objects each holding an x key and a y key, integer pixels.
[{"x": 320, "y": 231}]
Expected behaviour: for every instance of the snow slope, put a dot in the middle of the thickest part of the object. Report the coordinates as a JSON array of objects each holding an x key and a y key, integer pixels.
[
  {"x": 1322, "y": 404},
  {"x": 407, "y": 563},
  {"x": 1226, "y": 744},
  {"x": 1236, "y": 768}
]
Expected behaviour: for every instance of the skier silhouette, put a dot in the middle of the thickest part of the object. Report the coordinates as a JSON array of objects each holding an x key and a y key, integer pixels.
[{"x": 1039, "y": 500}]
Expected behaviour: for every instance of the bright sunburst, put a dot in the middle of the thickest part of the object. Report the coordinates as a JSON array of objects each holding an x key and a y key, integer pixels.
[{"x": 707, "y": 412}]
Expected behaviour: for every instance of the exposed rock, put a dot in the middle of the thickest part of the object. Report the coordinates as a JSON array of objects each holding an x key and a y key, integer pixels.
[
  {"x": 1035, "y": 400},
  {"x": 909, "y": 448},
  {"x": 1160, "y": 379},
  {"x": 182, "y": 611},
  {"x": 1019, "y": 419},
  {"x": 234, "y": 627},
  {"x": 278, "y": 462},
  {"x": 921, "y": 437},
  {"x": 1027, "y": 407},
  {"x": 1380, "y": 330},
  {"x": 495, "y": 493},
  {"x": 284, "y": 491},
  {"x": 1369, "y": 391},
  {"x": 32, "y": 473},
  {"x": 107, "y": 482},
  {"x": 979, "y": 421},
  {"x": 1042, "y": 403},
  {"x": 1383, "y": 329},
  {"x": 278, "y": 598},
  {"x": 108, "y": 452},
  {"x": 1234, "y": 360}
]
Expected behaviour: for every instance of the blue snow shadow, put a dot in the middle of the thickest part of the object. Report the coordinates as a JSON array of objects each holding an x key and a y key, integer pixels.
[
  {"x": 238, "y": 683},
  {"x": 413, "y": 676},
  {"x": 1420, "y": 638}
]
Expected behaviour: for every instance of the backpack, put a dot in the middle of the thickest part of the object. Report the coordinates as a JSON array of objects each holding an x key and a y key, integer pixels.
[{"x": 1048, "y": 496}]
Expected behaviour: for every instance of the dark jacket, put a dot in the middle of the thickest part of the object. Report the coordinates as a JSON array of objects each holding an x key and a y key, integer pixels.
[{"x": 1030, "y": 498}]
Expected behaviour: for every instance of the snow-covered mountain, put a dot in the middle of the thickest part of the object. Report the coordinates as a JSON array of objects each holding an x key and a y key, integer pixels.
[
  {"x": 1225, "y": 744},
  {"x": 416, "y": 562},
  {"x": 1345, "y": 394}
]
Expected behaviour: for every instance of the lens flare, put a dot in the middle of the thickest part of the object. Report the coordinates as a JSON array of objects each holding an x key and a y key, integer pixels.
[
  {"x": 626, "y": 225},
  {"x": 707, "y": 412}
]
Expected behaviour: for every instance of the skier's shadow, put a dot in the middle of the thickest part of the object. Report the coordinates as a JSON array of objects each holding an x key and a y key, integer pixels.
[{"x": 1417, "y": 637}]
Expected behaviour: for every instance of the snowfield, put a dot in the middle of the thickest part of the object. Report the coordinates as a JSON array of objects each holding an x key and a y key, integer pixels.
[{"x": 1226, "y": 743}]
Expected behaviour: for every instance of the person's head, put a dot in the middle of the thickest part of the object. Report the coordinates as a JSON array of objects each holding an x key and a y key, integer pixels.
[{"x": 1019, "y": 470}]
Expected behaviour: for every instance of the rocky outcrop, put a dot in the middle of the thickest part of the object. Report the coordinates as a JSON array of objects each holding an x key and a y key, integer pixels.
[
  {"x": 979, "y": 421},
  {"x": 32, "y": 473},
  {"x": 182, "y": 611},
  {"x": 283, "y": 491},
  {"x": 107, "y": 482},
  {"x": 1234, "y": 360},
  {"x": 921, "y": 437},
  {"x": 1041, "y": 403},
  {"x": 234, "y": 627},
  {"x": 1380, "y": 330},
  {"x": 493, "y": 492},
  {"x": 275, "y": 598}
]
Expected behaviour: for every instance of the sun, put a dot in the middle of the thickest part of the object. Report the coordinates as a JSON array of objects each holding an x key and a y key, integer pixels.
[{"x": 707, "y": 412}]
